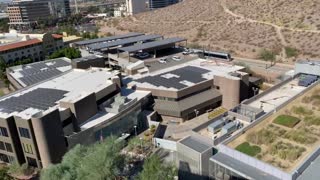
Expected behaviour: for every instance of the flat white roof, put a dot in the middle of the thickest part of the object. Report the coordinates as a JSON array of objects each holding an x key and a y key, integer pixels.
[
  {"x": 270, "y": 101},
  {"x": 76, "y": 83},
  {"x": 211, "y": 68}
]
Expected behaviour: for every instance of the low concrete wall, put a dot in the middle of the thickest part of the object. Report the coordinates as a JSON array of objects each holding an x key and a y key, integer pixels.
[
  {"x": 165, "y": 144},
  {"x": 254, "y": 162}
]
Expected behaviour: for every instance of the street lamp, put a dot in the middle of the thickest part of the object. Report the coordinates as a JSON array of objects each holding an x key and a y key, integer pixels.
[{"x": 135, "y": 130}]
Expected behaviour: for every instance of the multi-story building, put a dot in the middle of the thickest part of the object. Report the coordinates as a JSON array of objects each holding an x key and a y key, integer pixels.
[
  {"x": 25, "y": 14},
  {"x": 40, "y": 123},
  {"x": 155, "y": 4},
  {"x": 34, "y": 49},
  {"x": 135, "y": 7},
  {"x": 190, "y": 89}
]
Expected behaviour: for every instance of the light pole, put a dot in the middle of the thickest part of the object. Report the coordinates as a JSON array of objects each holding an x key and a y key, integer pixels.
[
  {"x": 135, "y": 130},
  {"x": 196, "y": 112}
]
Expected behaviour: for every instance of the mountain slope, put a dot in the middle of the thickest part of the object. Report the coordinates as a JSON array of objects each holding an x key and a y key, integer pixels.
[{"x": 243, "y": 27}]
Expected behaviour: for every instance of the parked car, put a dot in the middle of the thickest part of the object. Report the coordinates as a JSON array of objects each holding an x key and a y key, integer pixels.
[
  {"x": 185, "y": 52},
  {"x": 176, "y": 58},
  {"x": 143, "y": 55},
  {"x": 163, "y": 60}
]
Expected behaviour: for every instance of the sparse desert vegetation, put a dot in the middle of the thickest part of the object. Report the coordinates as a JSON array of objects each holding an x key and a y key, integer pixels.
[
  {"x": 242, "y": 27},
  {"x": 288, "y": 136}
]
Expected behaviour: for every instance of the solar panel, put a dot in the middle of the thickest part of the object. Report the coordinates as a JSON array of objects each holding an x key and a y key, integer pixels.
[
  {"x": 111, "y": 38},
  {"x": 100, "y": 46},
  {"x": 188, "y": 73},
  {"x": 151, "y": 45},
  {"x": 40, "y": 98},
  {"x": 40, "y": 71}
]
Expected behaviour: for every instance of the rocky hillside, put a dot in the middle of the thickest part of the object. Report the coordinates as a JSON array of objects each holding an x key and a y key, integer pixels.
[{"x": 243, "y": 27}]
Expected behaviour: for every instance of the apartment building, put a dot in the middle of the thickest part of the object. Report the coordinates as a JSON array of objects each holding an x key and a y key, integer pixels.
[
  {"x": 34, "y": 49},
  {"x": 40, "y": 123}
]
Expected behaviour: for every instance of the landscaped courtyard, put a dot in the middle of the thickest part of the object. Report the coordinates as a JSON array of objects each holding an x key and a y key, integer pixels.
[{"x": 288, "y": 136}]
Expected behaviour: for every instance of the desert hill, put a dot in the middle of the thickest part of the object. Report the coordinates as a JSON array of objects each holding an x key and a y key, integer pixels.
[{"x": 242, "y": 27}]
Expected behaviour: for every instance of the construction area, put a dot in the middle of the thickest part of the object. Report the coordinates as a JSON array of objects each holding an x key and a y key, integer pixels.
[{"x": 287, "y": 137}]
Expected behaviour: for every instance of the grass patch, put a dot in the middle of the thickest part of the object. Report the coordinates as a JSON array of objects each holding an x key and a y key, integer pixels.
[
  {"x": 286, "y": 120},
  {"x": 291, "y": 52},
  {"x": 248, "y": 149}
]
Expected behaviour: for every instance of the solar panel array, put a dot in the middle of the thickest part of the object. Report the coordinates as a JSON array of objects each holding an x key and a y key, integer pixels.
[
  {"x": 92, "y": 41},
  {"x": 40, "y": 98},
  {"x": 100, "y": 46},
  {"x": 189, "y": 73},
  {"x": 151, "y": 45},
  {"x": 40, "y": 71},
  {"x": 306, "y": 80}
]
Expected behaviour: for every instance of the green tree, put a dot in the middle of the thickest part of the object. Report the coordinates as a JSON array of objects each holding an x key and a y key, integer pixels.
[
  {"x": 99, "y": 161},
  {"x": 68, "y": 52},
  {"x": 154, "y": 169},
  {"x": 267, "y": 55},
  {"x": 4, "y": 173}
]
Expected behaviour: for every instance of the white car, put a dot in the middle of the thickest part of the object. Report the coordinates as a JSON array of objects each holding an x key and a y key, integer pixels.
[
  {"x": 176, "y": 58},
  {"x": 162, "y": 60}
]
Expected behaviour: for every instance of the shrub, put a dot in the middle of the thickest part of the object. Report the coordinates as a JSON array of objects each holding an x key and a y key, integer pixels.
[
  {"x": 312, "y": 120},
  {"x": 263, "y": 136},
  {"x": 300, "y": 110},
  {"x": 291, "y": 52},
  {"x": 286, "y": 151},
  {"x": 301, "y": 136},
  {"x": 267, "y": 55}
]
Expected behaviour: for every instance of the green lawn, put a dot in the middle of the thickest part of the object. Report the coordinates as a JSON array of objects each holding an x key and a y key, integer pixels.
[
  {"x": 248, "y": 149},
  {"x": 286, "y": 120}
]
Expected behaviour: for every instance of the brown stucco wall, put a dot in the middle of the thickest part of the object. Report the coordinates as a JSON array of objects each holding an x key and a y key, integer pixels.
[{"x": 49, "y": 137}]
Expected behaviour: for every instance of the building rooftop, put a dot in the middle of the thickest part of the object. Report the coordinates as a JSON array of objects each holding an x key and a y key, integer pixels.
[
  {"x": 248, "y": 172},
  {"x": 87, "y": 58},
  {"x": 312, "y": 172},
  {"x": 20, "y": 44},
  {"x": 106, "y": 39},
  {"x": 67, "y": 87},
  {"x": 299, "y": 133},
  {"x": 151, "y": 45},
  {"x": 33, "y": 73},
  {"x": 311, "y": 62},
  {"x": 101, "y": 46},
  {"x": 196, "y": 143},
  {"x": 184, "y": 75}
]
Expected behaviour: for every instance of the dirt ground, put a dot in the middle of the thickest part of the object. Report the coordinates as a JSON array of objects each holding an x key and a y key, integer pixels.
[{"x": 242, "y": 27}]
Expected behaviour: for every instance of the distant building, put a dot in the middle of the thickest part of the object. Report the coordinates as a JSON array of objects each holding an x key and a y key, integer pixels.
[
  {"x": 156, "y": 4},
  {"x": 307, "y": 67},
  {"x": 136, "y": 6},
  {"x": 31, "y": 48},
  {"x": 120, "y": 11},
  {"x": 24, "y": 15}
]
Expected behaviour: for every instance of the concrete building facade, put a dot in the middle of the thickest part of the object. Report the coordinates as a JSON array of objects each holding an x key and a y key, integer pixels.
[
  {"x": 156, "y": 4},
  {"x": 40, "y": 123},
  {"x": 34, "y": 49}
]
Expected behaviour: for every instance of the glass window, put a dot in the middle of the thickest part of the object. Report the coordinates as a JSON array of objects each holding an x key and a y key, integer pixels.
[
  {"x": 27, "y": 148},
  {"x": 11, "y": 159},
  {"x": 4, "y": 132},
  {"x": 2, "y": 146},
  {"x": 32, "y": 161},
  {"x": 24, "y": 132},
  {"x": 8, "y": 147},
  {"x": 4, "y": 158}
]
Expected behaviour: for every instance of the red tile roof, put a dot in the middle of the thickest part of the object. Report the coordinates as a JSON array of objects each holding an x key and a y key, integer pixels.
[
  {"x": 19, "y": 44},
  {"x": 57, "y": 36}
]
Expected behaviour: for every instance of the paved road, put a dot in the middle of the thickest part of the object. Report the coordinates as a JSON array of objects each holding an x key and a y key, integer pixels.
[{"x": 261, "y": 65}]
